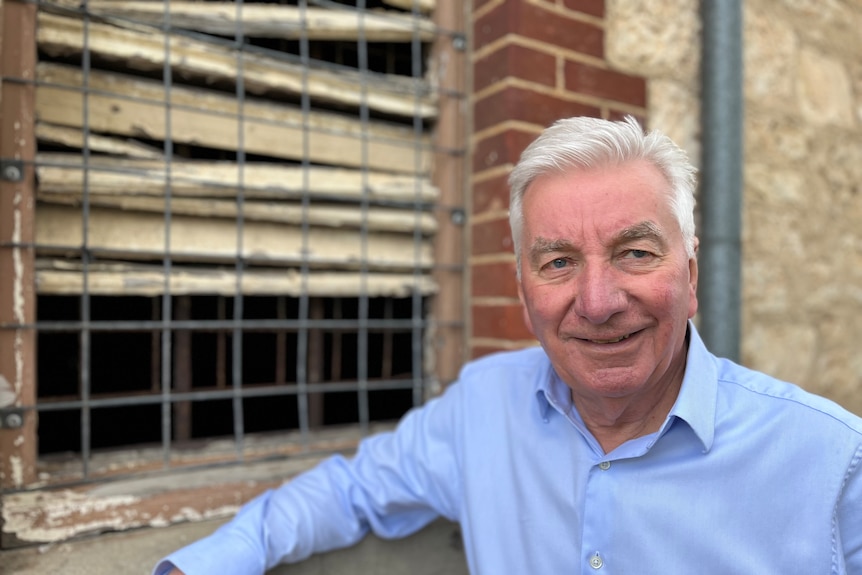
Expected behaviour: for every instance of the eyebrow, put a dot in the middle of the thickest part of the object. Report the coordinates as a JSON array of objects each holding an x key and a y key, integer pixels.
[{"x": 645, "y": 230}]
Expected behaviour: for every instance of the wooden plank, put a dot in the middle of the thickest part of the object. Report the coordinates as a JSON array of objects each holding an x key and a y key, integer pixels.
[
  {"x": 133, "y": 235},
  {"x": 128, "y": 106},
  {"x": 449, "y": 307},
  {"x": 63, "y": 173},
  {"x": 59, "y": 277},
  {"x": 333, "y": 216},
  {"x": 424, "y": 6},
  {"x": 18, "y": 445},
  {"x": 421, "y": 5},
  {"x": 74, "y": 138},
  {"x": 272, "y": 20},
  {"x": 191, "y": 58}
]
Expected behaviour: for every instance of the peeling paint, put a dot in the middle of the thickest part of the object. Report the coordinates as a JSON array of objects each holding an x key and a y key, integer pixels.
[
  {"x": 191, "y": 514},
  {"x": 18, "y": 295},
  {"x": 7, "y": 394},
  {"x": 17, "y": 470},
  {"x": 55, "y": 516}
]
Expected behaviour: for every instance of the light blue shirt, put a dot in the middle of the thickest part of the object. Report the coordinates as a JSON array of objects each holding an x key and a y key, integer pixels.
[{"x": 748, "y": 475}]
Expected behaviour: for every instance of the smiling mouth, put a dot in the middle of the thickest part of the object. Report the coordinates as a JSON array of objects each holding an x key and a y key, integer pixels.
[{"x": 615, "y": 340}]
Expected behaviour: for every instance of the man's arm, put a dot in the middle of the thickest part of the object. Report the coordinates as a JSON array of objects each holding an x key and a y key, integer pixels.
[{"x": 396, "y": 484}]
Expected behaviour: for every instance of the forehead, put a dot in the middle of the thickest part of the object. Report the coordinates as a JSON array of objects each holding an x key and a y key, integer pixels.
[{"x": 612, "y": 196}]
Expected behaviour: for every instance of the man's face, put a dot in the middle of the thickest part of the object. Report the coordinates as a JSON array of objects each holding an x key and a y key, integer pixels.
[{"x": 606, "y": 283}]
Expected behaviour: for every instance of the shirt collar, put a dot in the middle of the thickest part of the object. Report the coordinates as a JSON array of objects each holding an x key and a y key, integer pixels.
[{"x": 695, "y": 404}]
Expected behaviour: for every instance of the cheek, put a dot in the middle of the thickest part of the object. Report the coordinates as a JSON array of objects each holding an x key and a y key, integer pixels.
[
  {"x": 672, "y": 298},
  {"x": 546, "y": 306}
]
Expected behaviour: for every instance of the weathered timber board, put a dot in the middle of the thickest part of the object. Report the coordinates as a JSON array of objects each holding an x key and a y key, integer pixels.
[
  {"x": 65, "y": 278},
  {"x": 273, "y": 20},
  {"x": 192, "y": 58},
  {"x": 135, "y": 235},
  {"x": 129, "y": 106},
  {"x": 74, "y": 138},
  {"x": 64, "y": 173},
  {"x": 374, "y": 218}
]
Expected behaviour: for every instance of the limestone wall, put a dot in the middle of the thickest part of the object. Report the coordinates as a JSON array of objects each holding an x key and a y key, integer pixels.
[{"x": 802, "y": 226}]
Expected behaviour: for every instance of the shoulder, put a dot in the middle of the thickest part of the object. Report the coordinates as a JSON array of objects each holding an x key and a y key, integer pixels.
[
  {"x": 504, "y": 376},
  {"x": 531, "y": 362},
  {"x": 756, "y": 391}
]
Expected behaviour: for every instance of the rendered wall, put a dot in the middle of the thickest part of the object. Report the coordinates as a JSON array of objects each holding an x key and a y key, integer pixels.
[{"x": 802, "y": 238}]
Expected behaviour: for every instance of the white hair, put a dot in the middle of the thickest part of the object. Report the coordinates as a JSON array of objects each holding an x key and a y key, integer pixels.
[{"x": 584, "y": 143}]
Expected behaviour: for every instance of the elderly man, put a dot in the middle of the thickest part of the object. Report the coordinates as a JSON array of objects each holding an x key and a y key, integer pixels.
[{"x": 620, "y": 445}]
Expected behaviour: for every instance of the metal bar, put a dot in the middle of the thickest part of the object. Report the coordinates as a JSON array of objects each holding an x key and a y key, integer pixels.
[
  {"x": 212, "y": 325},
  {"x": 308, "y": 409},
  {"x": 237, "y": 405},
  {"x": 362, "y": 336},
  {"x": 417, "y": 342},
  {"x": 18, "y": 446},
  {"x": 721, "y": 177},
  {"x": 167, "y": 301},
  {"x": 259, "y": 390}
]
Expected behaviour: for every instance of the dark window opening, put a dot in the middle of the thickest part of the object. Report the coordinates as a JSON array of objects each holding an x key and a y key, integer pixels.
[{"x": 125, "y": 365}]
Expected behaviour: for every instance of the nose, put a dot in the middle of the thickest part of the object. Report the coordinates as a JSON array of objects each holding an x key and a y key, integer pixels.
[{"x": 599, "y": 294}]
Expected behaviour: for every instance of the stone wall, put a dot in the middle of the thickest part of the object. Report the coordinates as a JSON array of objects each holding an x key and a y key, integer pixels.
[{"x": 802, "y": 223}]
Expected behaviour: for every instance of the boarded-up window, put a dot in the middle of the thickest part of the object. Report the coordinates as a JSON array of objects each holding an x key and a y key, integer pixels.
[{"x": 234, "y": 250}]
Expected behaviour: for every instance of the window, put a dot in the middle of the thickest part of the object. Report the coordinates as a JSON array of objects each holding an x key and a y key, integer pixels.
[{"x": 234, "y": 252}]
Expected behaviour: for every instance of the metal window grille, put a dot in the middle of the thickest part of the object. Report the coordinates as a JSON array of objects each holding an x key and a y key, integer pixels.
[{"x": 234, "y": 241}]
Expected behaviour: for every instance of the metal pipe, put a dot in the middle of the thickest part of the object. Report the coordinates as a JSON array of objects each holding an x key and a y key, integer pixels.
[{"x": 721, "y": 177}]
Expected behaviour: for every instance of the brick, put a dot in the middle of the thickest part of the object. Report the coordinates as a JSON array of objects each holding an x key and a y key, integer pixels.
[
  {"x": 524, "y": 105},
  {"x": 538, "y": 23},
  {"x": 491, "y": 237},
  {"x": 478, "y": 351},
  {"x": 500, "y": 322},
  {"x": 591, "y": 7},
  {"x": 589, "y": 80},
  {"x": 500, "y": 149},
  {"x": 491, "y": 195},
  {"x": 494, "y": 280},
  {"x": 513, "y": 61}
]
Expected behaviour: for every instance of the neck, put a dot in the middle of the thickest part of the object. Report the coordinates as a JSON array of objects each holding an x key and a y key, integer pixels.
[{"x": 613, "y": 421}]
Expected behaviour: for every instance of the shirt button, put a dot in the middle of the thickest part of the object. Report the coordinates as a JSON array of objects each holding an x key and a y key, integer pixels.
[
  {"x": 596, "y": 561},
  {"x": 604, "y": 466}
]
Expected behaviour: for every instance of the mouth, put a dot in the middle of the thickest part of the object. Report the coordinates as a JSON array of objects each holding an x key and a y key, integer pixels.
[
  {"x": 614, "y": 340},
  {"x": 610, "y": 340}
]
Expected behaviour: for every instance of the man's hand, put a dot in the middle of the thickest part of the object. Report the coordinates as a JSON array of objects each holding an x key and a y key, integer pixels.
[{"x": 175, "y": 571}]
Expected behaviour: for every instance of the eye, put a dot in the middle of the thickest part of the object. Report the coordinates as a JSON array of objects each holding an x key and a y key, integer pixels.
[
  {"x": 558, "y": 263},
  {"x": 638, "y": 254}
]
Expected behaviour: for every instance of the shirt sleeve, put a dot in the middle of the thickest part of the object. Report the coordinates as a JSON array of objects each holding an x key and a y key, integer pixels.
[{"x": 397, "y": 483}]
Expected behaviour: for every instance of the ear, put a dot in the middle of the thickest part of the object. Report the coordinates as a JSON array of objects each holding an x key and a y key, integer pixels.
[
  {"x": 524, "y": 311},
  {"x": 692, "y": 280}
]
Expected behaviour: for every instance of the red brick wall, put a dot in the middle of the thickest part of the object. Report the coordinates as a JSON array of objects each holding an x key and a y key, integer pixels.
[{"x": 534, "y": 61}]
